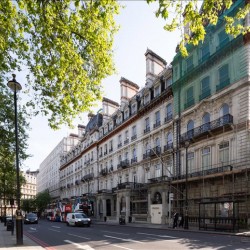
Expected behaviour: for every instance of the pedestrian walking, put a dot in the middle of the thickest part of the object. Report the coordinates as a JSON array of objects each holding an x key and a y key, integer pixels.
[
  {"x": 181, "y": 219},
  {"x": 176, "y": 216}
]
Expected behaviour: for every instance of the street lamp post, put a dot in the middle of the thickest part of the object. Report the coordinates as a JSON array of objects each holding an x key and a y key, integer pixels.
[
  {"x": 15, "y": 86},
  {"x": 187, "y": 143}
]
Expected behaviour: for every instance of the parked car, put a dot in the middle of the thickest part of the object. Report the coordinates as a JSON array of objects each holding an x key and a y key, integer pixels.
[
  {"x": 77, "y": 219},
  {"x": 30, "y": 218}
]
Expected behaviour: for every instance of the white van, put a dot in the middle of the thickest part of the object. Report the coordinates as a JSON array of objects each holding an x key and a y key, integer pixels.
[{"x": 77, "y": 219}]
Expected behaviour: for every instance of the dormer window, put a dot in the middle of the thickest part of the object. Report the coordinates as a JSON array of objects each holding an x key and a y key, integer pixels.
[
  {"x": 169, "y": 82},
  {"x": 126, "y": 114},
  {"x": 133, "y": 109},
  {"x": 157, "y": 91},
  {"x": 120, "y": 119}
]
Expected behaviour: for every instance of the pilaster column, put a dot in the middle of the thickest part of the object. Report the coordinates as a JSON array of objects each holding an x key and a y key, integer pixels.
[
  {"x": 104, "y": 204},
  {"x": 127, "y": 208},
  {"x": 118, "y": 209},
  {"x": 112, "y": 206},
  {"x": 149, "y": 207},
  {"x": 164, "y": 207}
]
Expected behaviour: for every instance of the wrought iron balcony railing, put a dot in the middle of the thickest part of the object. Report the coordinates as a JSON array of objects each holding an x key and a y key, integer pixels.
[
  {"x": 111, "y": 150},
  {"x": 155, "y": 151},
  {"x": 88, "y": 177},
  {"x": 123, "y": 164},
  {"x": 168, "y": 118},
  {"x": 107, "y": 191},
  {"x": 159, "y": 179},
  {"x": 133, "y": 160},
  {"x": 119, "y": 145},
  {"x": 146, "y": 155},
  {"x": 146, "y": 130},
  {"x": 205, "y": 94},
  {"x": 77, "y": 182},
  {"x": 223, "y": 84},
  {"x": 133, "y": 137},
  {"x": 157, "y": 124},
  {"x": 168, "y": 147},
  {"x": 189, "y": 103},
  {"x": 210, "y": 126},
  {"x": 104, "y": 171},
  {"x": 126, "y": 141}
]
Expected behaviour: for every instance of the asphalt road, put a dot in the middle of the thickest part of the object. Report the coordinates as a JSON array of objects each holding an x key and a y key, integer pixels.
[{"x": 57, "y": 235}]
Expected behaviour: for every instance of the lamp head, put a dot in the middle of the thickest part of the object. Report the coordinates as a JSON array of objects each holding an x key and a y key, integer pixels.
[
  {"x": 14, "y": 85},
  {"x": 187, "y": 143}
]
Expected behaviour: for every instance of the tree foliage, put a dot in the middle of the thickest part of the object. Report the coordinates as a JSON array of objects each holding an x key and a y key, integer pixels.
[
  {"x": 28, "y": 205},
  {"x": 66, "y": 47},
  {"x": 197, "y": 19},
  {"x": 42, "y": 200}
]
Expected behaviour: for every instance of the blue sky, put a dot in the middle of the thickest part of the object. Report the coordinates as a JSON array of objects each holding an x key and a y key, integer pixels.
[{"x": 140, "y": 29}]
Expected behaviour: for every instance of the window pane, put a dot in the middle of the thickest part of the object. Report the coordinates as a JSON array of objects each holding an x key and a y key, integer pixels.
[
  {"x": 205, "y": 85},
  {"x": 189, "y": 94},
  {"x": 169, "y": 138},
  {"x": 205, "y": 50},
  {"x": 169, "y": 110},
  {"x": 223, "y": 37},
  {"x": 190, "y": 62},
  {"x": 224, "y": 73},
  {"x": 190, "y": 125},
  {"x": 206, "y": 118},
  {"x": 224, "y": 110}
]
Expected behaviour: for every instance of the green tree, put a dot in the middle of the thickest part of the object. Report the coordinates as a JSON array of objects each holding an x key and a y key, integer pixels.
[
  {"x": 198, "y": 20},
  {"x": 66, "y": 47},
  {"x": 42, "y": 200},
  {"x": 28, "y": 205}
]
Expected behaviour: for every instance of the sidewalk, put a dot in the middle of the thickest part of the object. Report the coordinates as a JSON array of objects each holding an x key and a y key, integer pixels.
[
  {"x": 8, "y": 241},
  {"x": 193, "y": 229}
]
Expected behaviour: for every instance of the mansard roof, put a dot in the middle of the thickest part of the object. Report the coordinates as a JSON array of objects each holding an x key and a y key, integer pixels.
[{"x": 94, "y": 123}]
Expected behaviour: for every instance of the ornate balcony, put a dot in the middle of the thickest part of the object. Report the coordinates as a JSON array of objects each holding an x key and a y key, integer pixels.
[
  {"x": 155, "y": 151},
  {"x": 159, "y": 179},
  {"x": 146, "y": 155},
  {"x": 189, "y": 103},
  {"x": 105, "y": 191},
  {"x": 203, "y": 130},
  {"x": 168, "y": 147},
  {"x": 133, "y": 137},
  {"x": 205, "y": 94},
  {"x": 88, "y": 177},
  {"x": 157, "y": 124},
  {"x": 146, "y": 130},
  {"x": 223, "y": 84},
  {"x": 168, "y": 118},
  {"x": 104, "y": 171},
  {"x": 133, "y": 160},
  {"x": 123, "y": 164},
  {"x": 126, "y": 141}
]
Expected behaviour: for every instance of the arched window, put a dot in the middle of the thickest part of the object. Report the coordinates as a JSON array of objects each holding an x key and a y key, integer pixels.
[
  {"x": 206, "y": 122},
  {"x": 190, "y": 129},
  {"x": 224, "y": 110}
]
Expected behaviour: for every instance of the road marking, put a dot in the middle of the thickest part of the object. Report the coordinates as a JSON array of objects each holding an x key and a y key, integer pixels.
[
  {"x": 54, "y": 230},
  {"x": 86, "y": 247},
  {"x": 79, "y": 236},
  {"x": 162, "y": 239},
  {"x": 122, "y": 247},
  {"x": 114, "y": 232},
  {"x": 55, "y": 227},
  {"x": 164, "y": 236},
  {"x": 32, "y": 228},
  {"x": 124, "y": 239}
]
